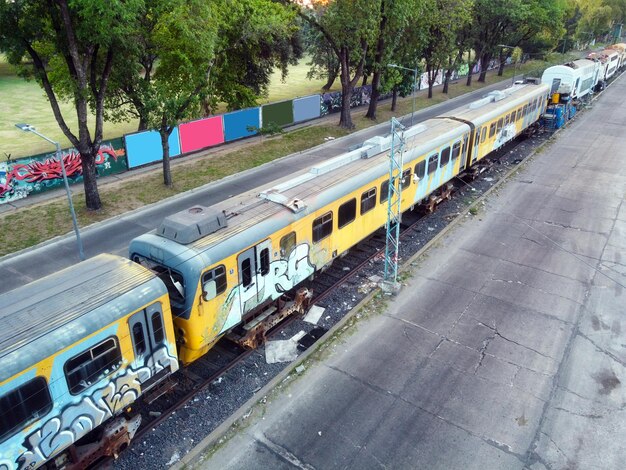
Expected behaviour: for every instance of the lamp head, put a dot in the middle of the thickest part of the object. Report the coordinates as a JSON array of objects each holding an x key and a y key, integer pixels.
[{"x": 25, "y": 127}]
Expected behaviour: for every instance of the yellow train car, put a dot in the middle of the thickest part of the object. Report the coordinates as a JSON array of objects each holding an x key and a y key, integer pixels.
[
  {"x": 225, "y": 263},
  {"x": 501, "y": 116},
  {"x": 76, "y": 349}
]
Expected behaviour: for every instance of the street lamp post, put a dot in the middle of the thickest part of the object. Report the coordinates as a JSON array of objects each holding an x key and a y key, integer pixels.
[
  {"x": 29, "y": 128},
  {"x": 504, "y": 46},
  {"x": 395, "y": 66}
]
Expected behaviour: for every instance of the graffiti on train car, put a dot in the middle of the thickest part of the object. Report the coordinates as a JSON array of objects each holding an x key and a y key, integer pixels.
[
  {"x": 284, "y": 275},
  {"x": 39, "y": 173},
  {"x": 77, "y": 419}
]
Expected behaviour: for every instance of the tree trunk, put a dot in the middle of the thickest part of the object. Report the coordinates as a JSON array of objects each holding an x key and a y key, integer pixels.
[
  {"x": 378, "y": 58},
  {"x": 347, "y": 85},
  {"x": 373, "y": 106},
  {"x": 332, "y": 76},
  {"x": 394, "y": 99},
  {"x": 470, "y": 71},
  {"x": 501, "y": 65},
  {"x": 167, "y": 171},
  {"x": 484, "y": 65},
  {"x": 446, "y": 80},
  {"x": 364, "y": 82},
  {"x": 143, "y": 124},
  {"x": 88, "y": 162},
  {"x": 345, "y": 120}
]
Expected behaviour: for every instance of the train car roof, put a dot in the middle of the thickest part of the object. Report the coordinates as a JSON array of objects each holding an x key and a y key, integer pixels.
[
  {"x": 253, "y": 217},
  {"x": 492, "y": 104},
  {"x": 50, "y": 314}
]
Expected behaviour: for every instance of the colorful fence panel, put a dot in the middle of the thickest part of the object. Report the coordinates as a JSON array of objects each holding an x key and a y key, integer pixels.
[
  {"x": 145, "y": 147},
  {"x": 39, "y": 173},
  {"x": 240, "y": 124},
  {"x": 280, "y": 114},
  {"x": 306, "y": 108},
  {"x": 196, "y": 135}
]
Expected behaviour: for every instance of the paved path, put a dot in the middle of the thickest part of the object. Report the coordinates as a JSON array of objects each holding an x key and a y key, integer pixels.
[
  {"x": 114, "y": 236},
  {"x": 507, "y": 349}
]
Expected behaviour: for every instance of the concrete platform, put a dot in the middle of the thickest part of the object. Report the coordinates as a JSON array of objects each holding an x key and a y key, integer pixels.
[{"x": 506, "y": 350}]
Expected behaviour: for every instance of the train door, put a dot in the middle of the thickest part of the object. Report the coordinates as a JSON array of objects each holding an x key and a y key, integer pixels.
[
  {"x": 475, "y": 150},
  {"x": 246, "y": 262},
  {"x": 464, "y": 149},
  {"x": 147, "y": 333},
  {"x": 263, "y": 251}
]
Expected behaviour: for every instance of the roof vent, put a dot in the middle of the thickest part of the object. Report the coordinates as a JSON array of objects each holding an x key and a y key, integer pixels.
[{"x": 192, "y": 224}]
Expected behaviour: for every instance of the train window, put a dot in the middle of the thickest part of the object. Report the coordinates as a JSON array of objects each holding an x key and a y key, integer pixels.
[
  {"x": 174, "y": 282},
  {"x": 157, "y": 327},
  {"x": 477, "y": 137},
  {"x": 287, "y": 244},
  {"x": 506, "y": 120},
  {"x": 139, "y": 340},
  {"x": 384, "y": 191},
  {"x": 420, "y": 169},
  {"x": 219, "y": 276},
  {"x": 499, "y": 126},
  {"x": 322, "y": 227},
  {"x": 406, "y": 178},
  {"x": 246, "y": 272},
  {"x": 492, "y": 129},
  {"x": 456, "y": 150},
  {"x": 346, "y": 213},
  {"x": 484, "y": 134},
  {"x": 432, "y": 163},
  {"x": 265, "y": 261},
  {"x": 445, "y": 157},
  {"x": 23, "y": 405},
  {"x": 519, "y": 114},
  {"x": 368, "y": 200},
  {"x": 534, "y": 104},
  {"x": 88, "y": 367},
  {"x": 525, "y": 111}
]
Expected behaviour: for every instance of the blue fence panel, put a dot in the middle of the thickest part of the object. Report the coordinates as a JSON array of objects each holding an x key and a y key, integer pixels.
[
  {"x": 306, "y": 108},
  {"x": 236, "y": 124},
  {"x": 145, "y": 147}
]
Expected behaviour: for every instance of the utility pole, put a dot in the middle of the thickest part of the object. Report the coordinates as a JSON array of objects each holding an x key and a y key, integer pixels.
[{"x": 394, "y": 209}]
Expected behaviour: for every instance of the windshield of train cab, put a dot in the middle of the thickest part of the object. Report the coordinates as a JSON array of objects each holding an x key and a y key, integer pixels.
[{"x": 173, "y": 280}]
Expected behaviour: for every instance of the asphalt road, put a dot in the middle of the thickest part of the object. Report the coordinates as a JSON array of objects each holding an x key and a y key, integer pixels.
[
  {"x": 114, "y": 236},
  {"x": 505, "y": 350}
]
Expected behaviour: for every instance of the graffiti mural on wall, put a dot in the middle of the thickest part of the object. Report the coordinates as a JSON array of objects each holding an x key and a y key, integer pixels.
[
  {"x": 331, "y": 102},
  {"x": 39, "y": 173}
]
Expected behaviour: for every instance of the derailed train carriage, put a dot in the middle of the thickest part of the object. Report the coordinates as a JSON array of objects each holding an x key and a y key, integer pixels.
[
  {"x": 76, "y": 349},
  {"x": 226, "y": 264}
]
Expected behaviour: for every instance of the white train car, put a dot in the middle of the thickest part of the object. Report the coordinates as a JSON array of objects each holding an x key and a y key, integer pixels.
[
  {"x": 576, "y": 79},
  {"x": 612, "y": 58}
]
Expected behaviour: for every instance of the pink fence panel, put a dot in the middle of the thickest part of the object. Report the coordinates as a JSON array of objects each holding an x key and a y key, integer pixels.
[{"x": 196, "y": 135}]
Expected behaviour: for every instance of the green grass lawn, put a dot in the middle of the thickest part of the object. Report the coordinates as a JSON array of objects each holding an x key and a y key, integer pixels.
[{"x": 25, "y": 101}]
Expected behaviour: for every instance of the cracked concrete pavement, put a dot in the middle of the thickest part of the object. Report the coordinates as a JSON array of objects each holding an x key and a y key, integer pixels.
[{"x": 506, "y": 350}]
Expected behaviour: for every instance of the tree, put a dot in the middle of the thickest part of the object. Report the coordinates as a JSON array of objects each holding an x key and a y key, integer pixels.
[
  {"x": 349, "y": 27},
  {"x": 324, "y": 63},
  {"x": 190, "y": 54},
  {"x": 73, "y": 47},
  {"x": 447, "y": 17},
  {"x": 396, "y": 16}
]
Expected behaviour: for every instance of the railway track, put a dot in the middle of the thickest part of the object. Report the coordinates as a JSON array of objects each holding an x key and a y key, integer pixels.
[
  {"x": 345, "y": 270},
  {"x": 227, "y": 354}
]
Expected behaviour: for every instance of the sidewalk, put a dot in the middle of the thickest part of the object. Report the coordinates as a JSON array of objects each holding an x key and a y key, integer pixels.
[{"x": 506, "y": 350}]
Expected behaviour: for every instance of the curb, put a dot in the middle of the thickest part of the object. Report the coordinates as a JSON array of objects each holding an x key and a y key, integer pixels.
[{"x": 220, "y": 432}]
